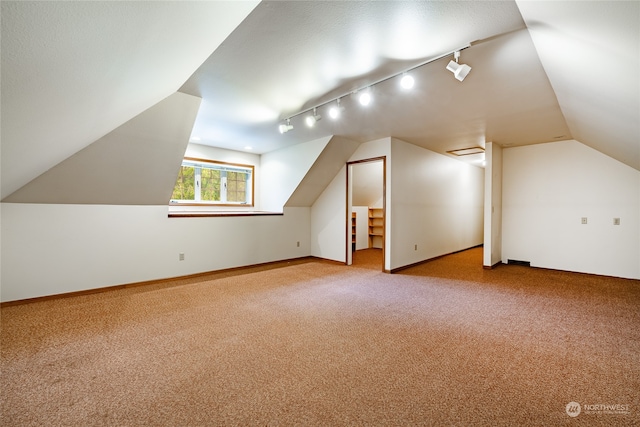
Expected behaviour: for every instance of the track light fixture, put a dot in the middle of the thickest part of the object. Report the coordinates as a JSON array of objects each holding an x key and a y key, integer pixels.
[
  {"x": 336, "y": 110},
  {"x": 407, "y": 81},
  {"x": 460, "y": 71},
  {"x": 311, "y": 120},
  {"x": 285, "y": 127},
  {"x": 364, "y": 97}
]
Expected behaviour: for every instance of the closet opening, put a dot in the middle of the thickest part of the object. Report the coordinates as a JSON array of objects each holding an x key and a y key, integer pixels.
[{"x": 366, "y": 213}]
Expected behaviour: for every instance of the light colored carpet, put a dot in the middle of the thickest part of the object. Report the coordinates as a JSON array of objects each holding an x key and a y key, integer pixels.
[{"x": 318, "y": 343}]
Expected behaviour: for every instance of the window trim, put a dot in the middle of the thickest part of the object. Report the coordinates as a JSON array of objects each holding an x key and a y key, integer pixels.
[{"x": 215, "y": 204}]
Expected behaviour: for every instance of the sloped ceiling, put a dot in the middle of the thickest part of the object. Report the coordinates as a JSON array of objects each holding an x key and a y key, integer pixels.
[
  {"x": 542, "y": 71},
  {"x": 288, "y": 57},
  {"x": 333, "y": 157},
  {"x": 135, "y": 164},
  {"x": 74, "y": 71},
  {"x": 367, "y": 182},
  {"x": 590, "y": 51}
]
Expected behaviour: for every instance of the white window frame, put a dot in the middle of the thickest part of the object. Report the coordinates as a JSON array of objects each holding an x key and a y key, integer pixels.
[{"x": 223, "y": 167}]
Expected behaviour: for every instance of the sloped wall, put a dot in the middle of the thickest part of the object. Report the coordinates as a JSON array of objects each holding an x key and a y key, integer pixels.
[
  {"x": 74, "y": 71},
  {"x": 367, "y": 184},
  {"x": 136, "y": 164},
  {"x": 283, "y": 170},
  {"x": 324, "y": 169}
]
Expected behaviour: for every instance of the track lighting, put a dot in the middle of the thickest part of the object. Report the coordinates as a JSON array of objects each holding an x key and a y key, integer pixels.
[
  {"x": 311, "y": 120},
  {"x": 336, "y": 110},
  {"x": 285, "y": 127},
  {"x": 460, "y": 71},
  {"x": 407, "y": 81},
  {"x": 365, "y": 97}
]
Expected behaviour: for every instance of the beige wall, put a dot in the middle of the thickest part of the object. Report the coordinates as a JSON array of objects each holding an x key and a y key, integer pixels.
[
  {"x": 437, "y": 204},
  {"x": 433, "y": 201},
  {"x": 492, "y": 205},
  {"x": 548, "y": 188},
  {"x": 52, "y": 249}
]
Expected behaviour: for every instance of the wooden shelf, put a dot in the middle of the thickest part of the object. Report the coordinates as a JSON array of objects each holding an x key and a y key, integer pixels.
[
  {"x": 376, "y": 227},
  {"x": 353, "y": 231}
]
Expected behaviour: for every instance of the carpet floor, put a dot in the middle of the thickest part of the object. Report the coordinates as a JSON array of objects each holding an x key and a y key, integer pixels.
[{"x": 317, "y": 343}]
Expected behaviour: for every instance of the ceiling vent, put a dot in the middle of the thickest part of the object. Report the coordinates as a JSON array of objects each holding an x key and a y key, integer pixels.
[{"x": 467, "y": 151}]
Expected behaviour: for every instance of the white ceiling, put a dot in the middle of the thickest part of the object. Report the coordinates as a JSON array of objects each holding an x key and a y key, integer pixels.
[
  {"x": 542, "y": 71},
  {"x": 287, "y": 57},
  {"x": 74, "y": 71},
  {"x": 591, "y": 54}
]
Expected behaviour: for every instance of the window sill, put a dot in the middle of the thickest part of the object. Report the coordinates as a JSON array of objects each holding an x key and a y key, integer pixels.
[{"x": 205, "y": 214}]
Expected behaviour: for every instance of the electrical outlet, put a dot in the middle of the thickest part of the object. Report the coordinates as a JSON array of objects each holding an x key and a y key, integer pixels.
[
  {"x": 584, "y": 219},
  {"x": 181, "y": 256},
  {"x": 616, "y": 221}
]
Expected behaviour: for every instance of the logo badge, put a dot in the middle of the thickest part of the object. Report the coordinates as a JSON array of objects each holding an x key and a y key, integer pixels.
[{"x": 573, "y": 409}]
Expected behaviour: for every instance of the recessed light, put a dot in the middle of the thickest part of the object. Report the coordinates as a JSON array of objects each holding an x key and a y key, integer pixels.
[
  {"x": 195, "y": 138},
  {"x": 248, "y": 148}
]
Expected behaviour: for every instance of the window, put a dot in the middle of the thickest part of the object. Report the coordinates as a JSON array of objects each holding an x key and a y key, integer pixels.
[{"x": 207, "y": 182}]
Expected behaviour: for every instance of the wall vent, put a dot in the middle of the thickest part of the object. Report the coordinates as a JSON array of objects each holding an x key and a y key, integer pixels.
[{"x": 518, "y": 262}]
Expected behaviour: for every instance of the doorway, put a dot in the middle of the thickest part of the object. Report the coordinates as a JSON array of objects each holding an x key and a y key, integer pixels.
[{"x": 366, "y": 213}]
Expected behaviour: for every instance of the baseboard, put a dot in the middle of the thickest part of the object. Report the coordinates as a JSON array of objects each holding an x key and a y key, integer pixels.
[
  {"x": 285, "y": 263},
  {"x": 528, "y": 265},
  {"x": 491, "y": 267},
  {"x": 606, "y": 276},
  {"x": 404, "y": 267}
]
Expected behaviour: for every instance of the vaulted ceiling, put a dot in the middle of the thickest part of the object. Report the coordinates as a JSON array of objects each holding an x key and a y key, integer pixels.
[{"x": 72, "y": 72}]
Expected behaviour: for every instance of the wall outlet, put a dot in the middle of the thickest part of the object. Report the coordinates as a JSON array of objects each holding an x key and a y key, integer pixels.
[
  {"x": 616, "y": 221},
  {"x": 181, "y": 256},
  {"x": 584, "y": 220}
]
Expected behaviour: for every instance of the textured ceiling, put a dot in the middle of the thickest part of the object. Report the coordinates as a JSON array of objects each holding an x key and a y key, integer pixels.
[
  {"x": 109, "y": 171},
  {"x": 591, "y": 53},
  {"x": 289, "y": 56},
  {"x": 542, "y": 71},
  {"x": 74, "y": 71}
]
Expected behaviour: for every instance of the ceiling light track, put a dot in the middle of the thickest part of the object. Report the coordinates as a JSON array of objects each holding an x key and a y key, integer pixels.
[{"x": 460, "y": 72}]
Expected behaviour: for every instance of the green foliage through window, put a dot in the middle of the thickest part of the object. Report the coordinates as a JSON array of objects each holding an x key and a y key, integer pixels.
[
  {"x": 185, "y": 189},
  {"x": 210, "y": 185},
  {"x": 206, "y": 182}
]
